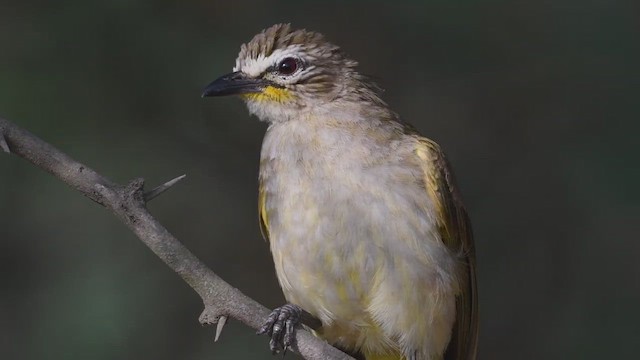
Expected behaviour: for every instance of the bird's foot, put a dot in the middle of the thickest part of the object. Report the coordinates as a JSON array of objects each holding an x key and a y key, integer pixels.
[{"x": 280, "y": 326}]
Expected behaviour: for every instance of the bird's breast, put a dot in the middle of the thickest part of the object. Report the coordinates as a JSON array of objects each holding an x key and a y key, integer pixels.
[{"x": 349, "y": 224}]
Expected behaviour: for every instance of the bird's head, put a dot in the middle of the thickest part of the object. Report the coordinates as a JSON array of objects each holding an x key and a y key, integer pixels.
[{"x": 282, "y": 73}]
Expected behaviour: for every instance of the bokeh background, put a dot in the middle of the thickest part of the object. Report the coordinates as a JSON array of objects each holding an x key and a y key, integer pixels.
[{"x": 536, "y": 103}]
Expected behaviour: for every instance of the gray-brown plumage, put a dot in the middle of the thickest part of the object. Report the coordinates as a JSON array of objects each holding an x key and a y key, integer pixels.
[{"x": 365, "y": 224}]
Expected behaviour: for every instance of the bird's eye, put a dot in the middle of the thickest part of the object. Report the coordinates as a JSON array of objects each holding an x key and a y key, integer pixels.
[{"x": 287, "y": 66}]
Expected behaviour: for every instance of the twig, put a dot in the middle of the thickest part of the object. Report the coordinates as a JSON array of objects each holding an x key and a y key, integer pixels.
[{"x": 128, "y": 204}]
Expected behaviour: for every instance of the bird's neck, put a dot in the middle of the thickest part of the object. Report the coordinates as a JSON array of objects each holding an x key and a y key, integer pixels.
[{"x": 333, "y": 133}]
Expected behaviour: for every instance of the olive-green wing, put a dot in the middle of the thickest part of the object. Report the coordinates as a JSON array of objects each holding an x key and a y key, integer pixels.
[{"x": 455, "y": 230}]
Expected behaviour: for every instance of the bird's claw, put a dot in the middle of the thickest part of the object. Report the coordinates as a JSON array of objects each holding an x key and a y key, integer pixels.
[{"x": 280, "y": 327}]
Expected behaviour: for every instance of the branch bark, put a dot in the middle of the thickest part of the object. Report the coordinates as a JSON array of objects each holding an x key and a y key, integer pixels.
[{"x": 128, "y": 203}]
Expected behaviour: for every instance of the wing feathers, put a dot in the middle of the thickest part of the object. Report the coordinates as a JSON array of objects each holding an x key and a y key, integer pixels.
[{"x": 455, "y": 230}]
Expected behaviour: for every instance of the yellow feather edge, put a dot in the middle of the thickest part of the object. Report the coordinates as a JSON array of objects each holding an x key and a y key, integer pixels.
[
  {"x": 262, "y": 212},
  {"x": 455, "y": 230}
]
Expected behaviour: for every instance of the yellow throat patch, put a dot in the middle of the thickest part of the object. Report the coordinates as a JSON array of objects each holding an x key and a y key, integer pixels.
[{"x": 271, "y": 93}]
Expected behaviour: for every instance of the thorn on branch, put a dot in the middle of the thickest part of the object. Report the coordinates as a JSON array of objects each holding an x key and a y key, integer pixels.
[
  {"x": 3, "y": 143},
  {"x": 221, "y": 322},
  {"x": 149, "y": 195},
  {"x": 212, "y": 315}
]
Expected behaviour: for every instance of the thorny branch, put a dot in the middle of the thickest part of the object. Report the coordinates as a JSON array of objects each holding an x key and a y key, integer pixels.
[{"x": 128, "y": 203}]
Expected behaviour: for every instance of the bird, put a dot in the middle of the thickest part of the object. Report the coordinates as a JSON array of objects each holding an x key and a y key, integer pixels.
[{"x": 364, "y": 220}]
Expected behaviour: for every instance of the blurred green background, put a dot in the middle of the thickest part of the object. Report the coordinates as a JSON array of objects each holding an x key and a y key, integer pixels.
[{"x": 536, "y": 103}]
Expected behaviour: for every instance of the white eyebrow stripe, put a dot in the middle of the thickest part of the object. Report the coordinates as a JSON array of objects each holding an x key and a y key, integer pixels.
[{"x": 255, "y": 67}]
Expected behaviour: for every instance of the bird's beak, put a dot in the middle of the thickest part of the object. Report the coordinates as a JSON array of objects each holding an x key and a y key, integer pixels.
[{"x": 234, "y": 83}]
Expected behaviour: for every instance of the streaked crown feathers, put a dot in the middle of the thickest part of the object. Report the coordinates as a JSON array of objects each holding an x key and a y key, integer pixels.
[{"x": 282, "y": 38}]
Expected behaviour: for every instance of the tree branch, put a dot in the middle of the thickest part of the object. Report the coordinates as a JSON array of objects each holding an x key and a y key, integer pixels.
[{"x": 128, "y": 203}]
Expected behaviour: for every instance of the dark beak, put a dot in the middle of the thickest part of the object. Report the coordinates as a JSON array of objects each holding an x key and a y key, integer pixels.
[{"x": 235, "y": 83}]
